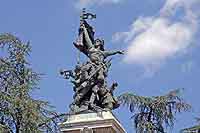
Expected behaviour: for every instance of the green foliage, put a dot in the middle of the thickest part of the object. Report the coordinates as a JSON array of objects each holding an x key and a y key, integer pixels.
[
  {"x": 152, "y": 113},
  {"x": 19, "y": 112},
  {"x": 192, "y": 129}
]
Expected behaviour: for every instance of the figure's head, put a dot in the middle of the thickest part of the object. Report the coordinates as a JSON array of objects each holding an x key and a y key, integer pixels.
[{"x": 99, "y": 43}]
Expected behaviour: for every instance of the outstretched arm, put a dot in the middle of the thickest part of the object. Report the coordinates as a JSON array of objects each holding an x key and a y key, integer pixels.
[
  {"x": 87, "y": 38},
  {"x": 110, "y": 53}
]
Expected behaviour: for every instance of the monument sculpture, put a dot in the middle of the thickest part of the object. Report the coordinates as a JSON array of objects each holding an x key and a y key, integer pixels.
[
  {"x": 91, "y": 90},
  {"x": 89, "y": 79}
]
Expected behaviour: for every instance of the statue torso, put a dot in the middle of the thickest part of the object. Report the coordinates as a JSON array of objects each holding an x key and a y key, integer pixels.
[{"x": 96, "y": 55}]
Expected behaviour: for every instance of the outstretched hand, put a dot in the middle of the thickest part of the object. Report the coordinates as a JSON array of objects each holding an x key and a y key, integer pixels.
[{"x": 121, "y": 52}]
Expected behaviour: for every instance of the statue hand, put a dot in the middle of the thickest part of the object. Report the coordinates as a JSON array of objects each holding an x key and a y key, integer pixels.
[{"x": 121, "y": 52}]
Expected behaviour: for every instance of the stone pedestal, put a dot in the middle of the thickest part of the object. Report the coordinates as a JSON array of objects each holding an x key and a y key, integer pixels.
[{"x": 102, "y": 122}]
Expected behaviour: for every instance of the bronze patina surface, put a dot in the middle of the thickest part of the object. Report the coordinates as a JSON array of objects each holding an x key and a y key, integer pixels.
[{"x": 92, "y": 93}]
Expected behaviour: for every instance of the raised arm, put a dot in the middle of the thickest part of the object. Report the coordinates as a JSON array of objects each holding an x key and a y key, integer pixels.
[
  {"x": 110, "y": 53},
  {"x": 87, "y": 37}
]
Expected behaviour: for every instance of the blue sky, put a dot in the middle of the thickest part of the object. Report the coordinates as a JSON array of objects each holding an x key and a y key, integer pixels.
[{"x": 160, "y": 38}]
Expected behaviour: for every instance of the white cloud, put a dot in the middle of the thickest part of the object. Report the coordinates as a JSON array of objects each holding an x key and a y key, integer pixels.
[
  {"x": 88, "y": 3},
  {"x": 153, "y": 40},
  {"x": 159, "y": 41}
]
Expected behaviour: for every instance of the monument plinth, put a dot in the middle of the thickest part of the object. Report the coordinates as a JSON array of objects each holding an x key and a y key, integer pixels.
[{"x": 101, "y": 122}]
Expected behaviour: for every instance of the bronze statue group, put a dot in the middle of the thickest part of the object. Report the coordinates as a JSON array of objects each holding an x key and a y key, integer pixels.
[{"x": 92, "y": 93}]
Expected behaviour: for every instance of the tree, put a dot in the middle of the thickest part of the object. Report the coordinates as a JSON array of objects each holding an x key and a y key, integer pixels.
[
  {"x": 152, "y": 114},
  {"x": 19, "y": 111}
]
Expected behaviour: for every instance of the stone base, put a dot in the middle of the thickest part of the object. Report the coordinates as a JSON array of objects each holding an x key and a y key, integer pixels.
[{"x": 102, "y": 122}]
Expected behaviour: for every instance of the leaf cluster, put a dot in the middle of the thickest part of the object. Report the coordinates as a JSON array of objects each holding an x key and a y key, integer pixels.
[
  {"x": 19, "y": 111},
  {"x": 152, "y": 113},
  {"x": 194, "y": 128}
]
